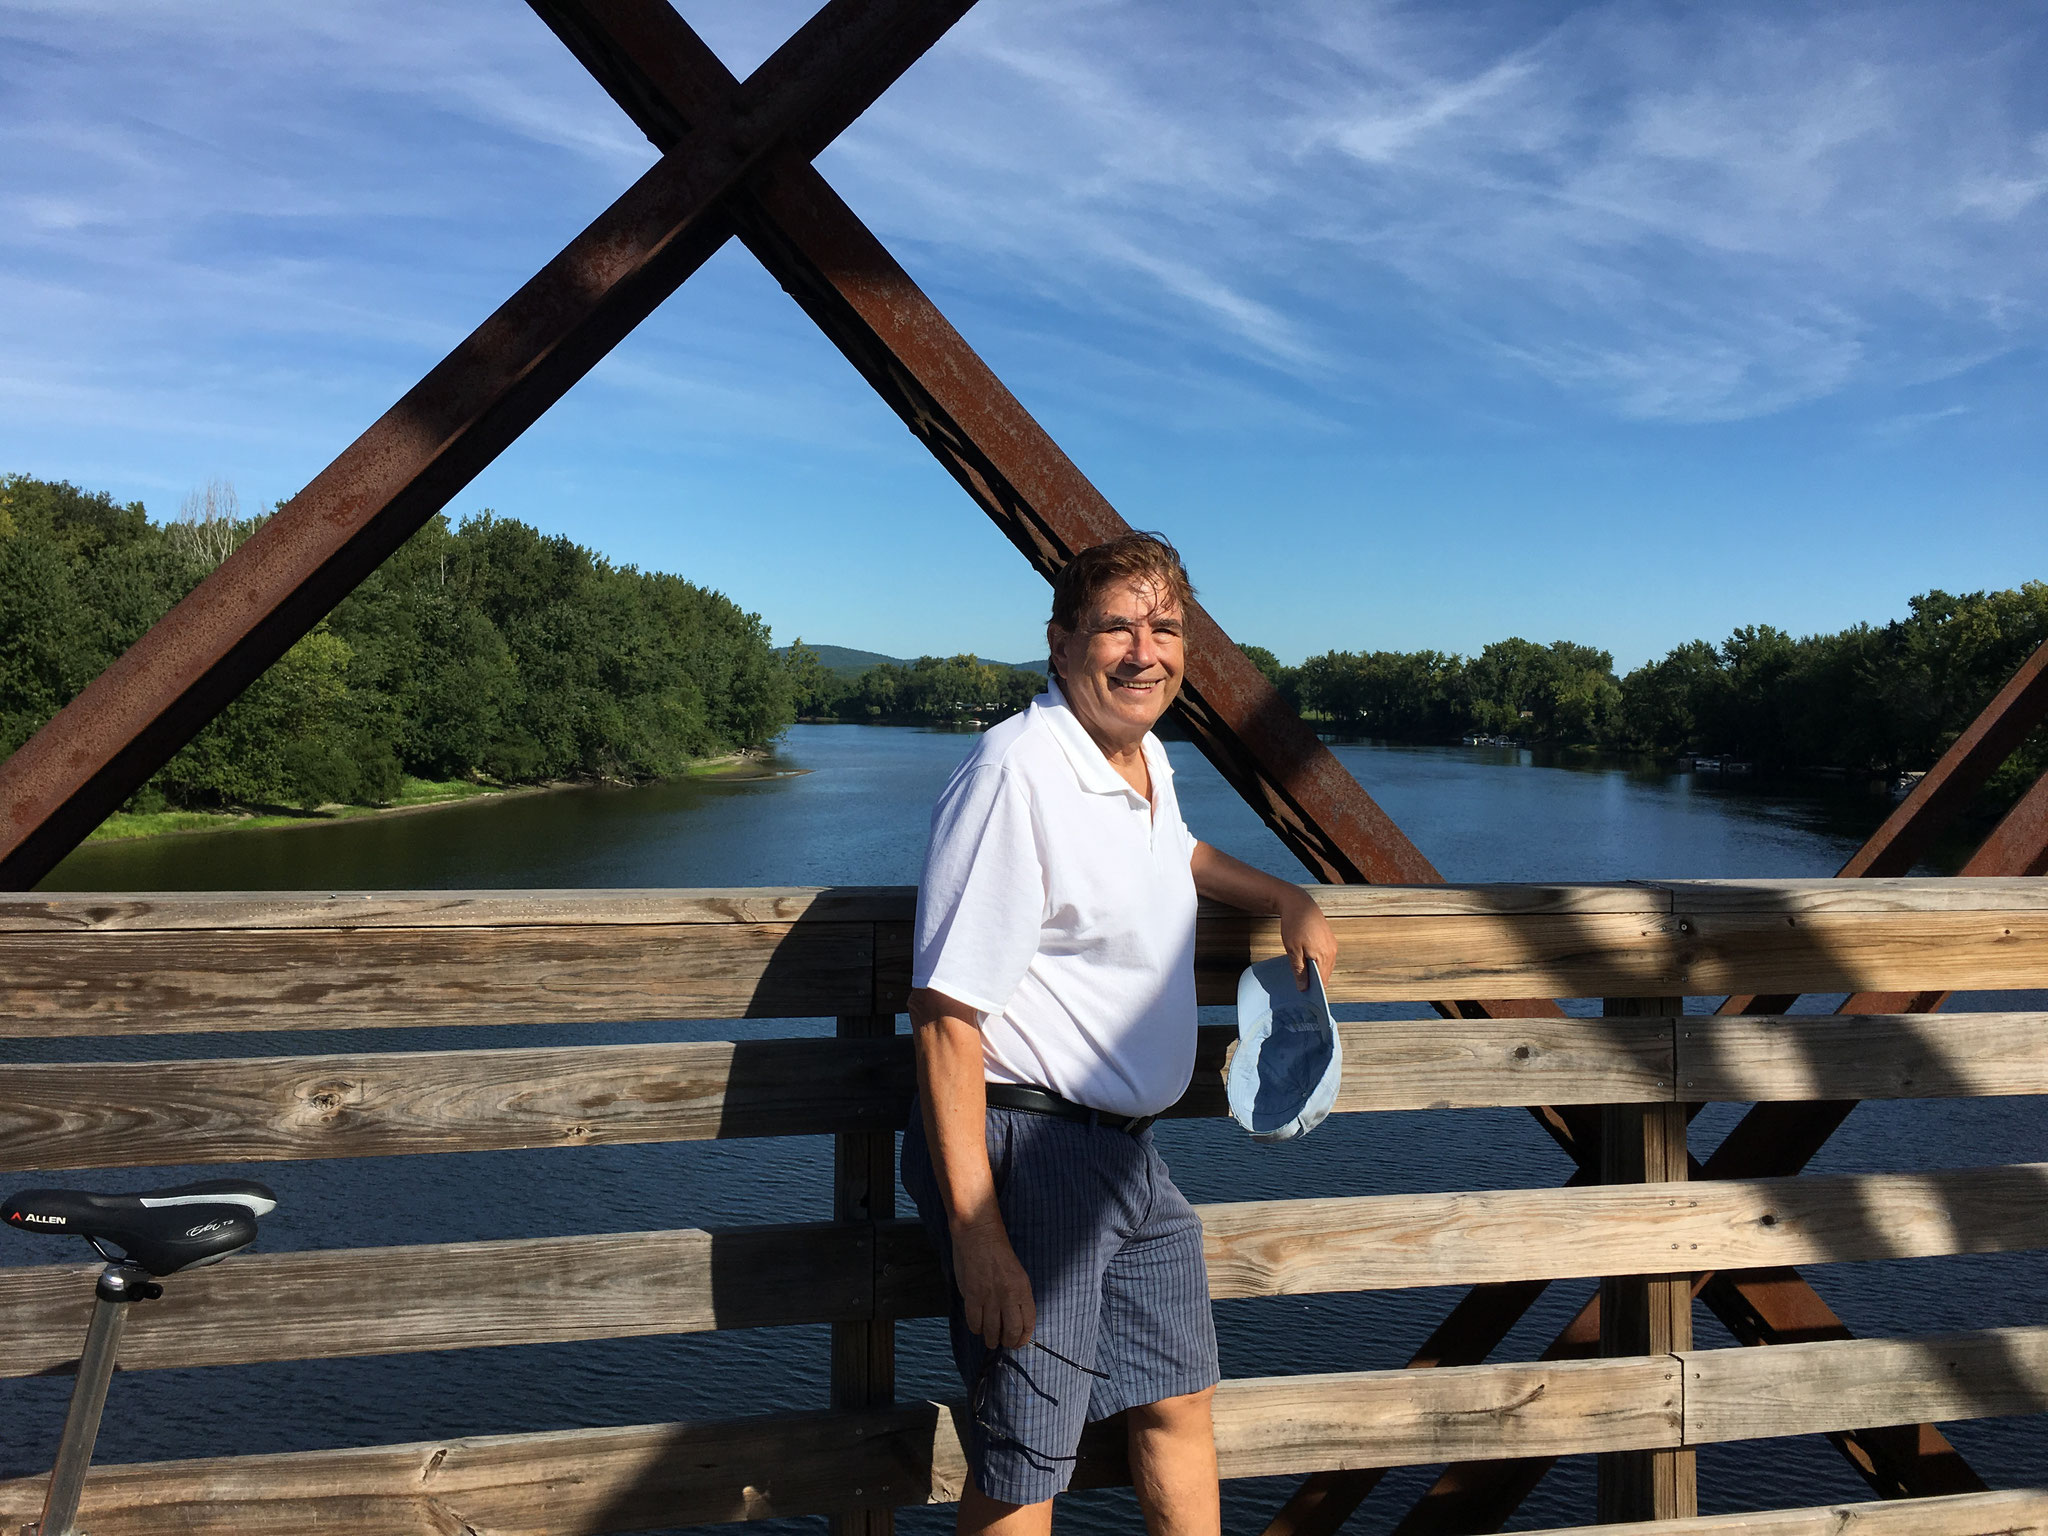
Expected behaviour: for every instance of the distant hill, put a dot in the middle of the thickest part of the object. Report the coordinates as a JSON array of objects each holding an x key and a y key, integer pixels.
[{"x": 844, "y": 661}]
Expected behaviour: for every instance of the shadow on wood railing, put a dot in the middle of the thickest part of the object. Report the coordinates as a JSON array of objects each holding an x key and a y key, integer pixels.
[{"x": 123, "y": 965}]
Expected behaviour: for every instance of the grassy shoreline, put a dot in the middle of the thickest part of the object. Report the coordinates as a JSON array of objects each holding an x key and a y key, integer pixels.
[{"x": 414, "y": 796}]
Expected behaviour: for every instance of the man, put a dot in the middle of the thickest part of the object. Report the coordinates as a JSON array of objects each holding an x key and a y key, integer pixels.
[{"x": 1053, "y": 1006}]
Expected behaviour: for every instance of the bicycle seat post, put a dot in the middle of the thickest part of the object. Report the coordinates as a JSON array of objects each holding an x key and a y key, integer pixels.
[{"x": 120, "y": 1286}]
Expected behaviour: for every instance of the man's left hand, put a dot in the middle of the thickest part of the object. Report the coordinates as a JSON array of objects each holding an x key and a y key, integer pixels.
[{"x": 1305, "y": 934}]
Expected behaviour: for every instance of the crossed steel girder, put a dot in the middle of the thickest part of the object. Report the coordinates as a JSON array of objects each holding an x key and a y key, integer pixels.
[
  {"x": 742, "y": 154},
  {"x": 666, "y": 79},
  {"x": 131, "y": 719},
  {"x": 736, "y": 159}
]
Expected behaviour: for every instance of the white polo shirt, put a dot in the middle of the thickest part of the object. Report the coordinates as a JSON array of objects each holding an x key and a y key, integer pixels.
[{"x": 1060, "y": 905}]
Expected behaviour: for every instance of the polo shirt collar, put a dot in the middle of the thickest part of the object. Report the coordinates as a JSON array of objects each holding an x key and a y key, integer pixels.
[{"x": 1093, "y": 769}]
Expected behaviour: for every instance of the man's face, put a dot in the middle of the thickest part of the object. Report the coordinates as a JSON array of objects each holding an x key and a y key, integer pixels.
[{"x": 1122, "y": 666}]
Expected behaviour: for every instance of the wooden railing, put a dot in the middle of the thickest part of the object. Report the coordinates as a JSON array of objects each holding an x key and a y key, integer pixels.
[{"x": 107, "y": 966}]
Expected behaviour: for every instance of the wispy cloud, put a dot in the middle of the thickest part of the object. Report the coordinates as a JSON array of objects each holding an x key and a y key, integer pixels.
[{"x": 1697, "y": 215}]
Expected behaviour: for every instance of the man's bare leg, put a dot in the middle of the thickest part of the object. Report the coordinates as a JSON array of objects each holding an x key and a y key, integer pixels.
[
  {"x": 1173, "y": 1465},
  {"x": 981, "y": 1515}
]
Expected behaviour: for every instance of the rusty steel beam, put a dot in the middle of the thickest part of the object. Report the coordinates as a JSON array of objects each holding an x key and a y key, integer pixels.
[
  {"x": 1782, "y": 1138},
  {"x": 1952, "y": 783},
  {"x": 1777, "y": 1140},
  {"x": 664, "y": 76},
  {"x": 2018, "y": 845},
  {"x": 1758, "y": 1307},
  {"x": 1898, "y": 1461},
  {"x": 1945, "y": 792},
  {"x": 195, "y": 660}
]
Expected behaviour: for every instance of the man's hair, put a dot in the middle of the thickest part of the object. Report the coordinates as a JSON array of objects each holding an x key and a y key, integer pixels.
[{"x": 1146, "y": 558}]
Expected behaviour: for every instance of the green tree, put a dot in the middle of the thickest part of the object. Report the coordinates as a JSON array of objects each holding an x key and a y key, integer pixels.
[{"x": 481, "y": 649}]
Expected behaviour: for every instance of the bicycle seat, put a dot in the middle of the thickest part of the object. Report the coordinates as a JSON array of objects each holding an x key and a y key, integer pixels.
[{"x": 163, "y": 1230}]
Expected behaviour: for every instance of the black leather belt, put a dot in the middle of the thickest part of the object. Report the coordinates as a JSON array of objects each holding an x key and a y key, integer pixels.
[{"x": 1041, "y": 1101}]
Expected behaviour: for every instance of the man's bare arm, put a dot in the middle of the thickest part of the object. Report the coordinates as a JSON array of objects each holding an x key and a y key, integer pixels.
[
  {"x": 994, "y": 1289},
  {"x": 1304, "y": 931}
]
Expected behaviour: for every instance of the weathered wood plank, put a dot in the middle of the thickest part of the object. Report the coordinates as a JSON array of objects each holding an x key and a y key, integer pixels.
[
  {"x": 555, "y": 1484},
  {"x": 2013, "y": 1512},
  {"x": 864, "y": 1351},
  {"x": 1421, "y": 1064},
  {"x": 1386, "y": 1242},
  {"x": 1802, "y": 1389},
  {"x": 84, "y": 912},
  {"x": 1803, "y": 1057},
  {"x": 892, "y": 967},
  {"x": 180, "y": 980},
  {"x": 1399, "y": 1064},
  {"x": 597, "y": 1480},
  {"x": 283, "y": 1306},
  {"x": 618, "y": 1479},
  {"x": 1969, "y": 893},
  {"x": 185, "y": 981},
  {"x": 1406, "y": 959},
  {"x": 328, "y": 1303},
  {"x": 111, "y": 1114},
  {"x": 63, "y": 913},
  {"x": 1645, "y": 1314},
  {"x": 134, "y": 965},
  {"x": 1836, "y": 951},
  {"x": 128, "y": 911}
]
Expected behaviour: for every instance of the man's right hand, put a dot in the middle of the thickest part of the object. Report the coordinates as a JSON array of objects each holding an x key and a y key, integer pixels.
[
  {"x": 994, "y": 1290},
  {"x": 995, "y": 1293}
]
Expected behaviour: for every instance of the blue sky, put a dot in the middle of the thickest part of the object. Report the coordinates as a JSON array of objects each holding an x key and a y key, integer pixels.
[{"x": 1414, "y": 324}]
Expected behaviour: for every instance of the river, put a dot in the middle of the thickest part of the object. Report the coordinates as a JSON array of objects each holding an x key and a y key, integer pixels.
[{"x": 848, "y": 806}]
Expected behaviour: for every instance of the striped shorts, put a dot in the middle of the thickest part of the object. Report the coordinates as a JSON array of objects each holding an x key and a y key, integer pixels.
[{"x": 1114, "y": 1252}]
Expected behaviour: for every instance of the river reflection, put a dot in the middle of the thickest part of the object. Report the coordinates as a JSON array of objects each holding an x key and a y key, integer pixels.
[{"x": 856, "y": 814}]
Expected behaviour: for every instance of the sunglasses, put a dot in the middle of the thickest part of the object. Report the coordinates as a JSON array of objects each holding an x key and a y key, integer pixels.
[{"x": 979, "y": 1395}]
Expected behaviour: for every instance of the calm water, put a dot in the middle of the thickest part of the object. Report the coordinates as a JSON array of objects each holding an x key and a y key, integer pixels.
[{"x": 857, "y": 816}]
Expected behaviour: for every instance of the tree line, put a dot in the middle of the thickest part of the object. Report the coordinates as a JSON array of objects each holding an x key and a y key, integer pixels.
[
  {"x": 931, "y": 690},
  {"x": 1881, "y": 698},
  {"x": 485, "y": 650}
]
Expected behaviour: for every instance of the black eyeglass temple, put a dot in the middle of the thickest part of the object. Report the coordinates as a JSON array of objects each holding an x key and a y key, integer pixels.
[
  {"x": 1077, "y": 1365},
  {"x": 981, "y": 1384}
]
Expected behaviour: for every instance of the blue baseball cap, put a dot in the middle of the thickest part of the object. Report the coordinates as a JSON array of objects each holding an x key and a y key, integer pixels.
[{"x": 1289, "y": 1061}]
